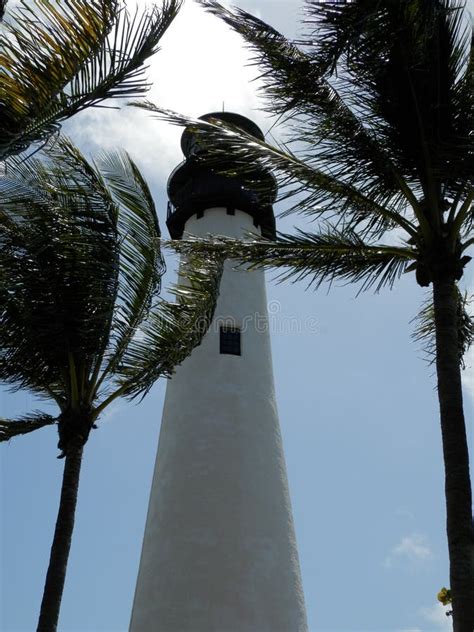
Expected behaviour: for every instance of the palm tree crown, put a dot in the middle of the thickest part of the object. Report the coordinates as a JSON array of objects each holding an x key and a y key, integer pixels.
[{"x": 81, "y": 268}]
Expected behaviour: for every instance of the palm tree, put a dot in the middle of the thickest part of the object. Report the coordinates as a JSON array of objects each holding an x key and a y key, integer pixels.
[
  {"x": 82, "y": 322},
  {"x": 58, "y": 58},
  {"x": 379, "y": 101}
]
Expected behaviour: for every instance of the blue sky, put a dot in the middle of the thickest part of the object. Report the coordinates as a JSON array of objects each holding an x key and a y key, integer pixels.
[{"x": 357, "y": 406}]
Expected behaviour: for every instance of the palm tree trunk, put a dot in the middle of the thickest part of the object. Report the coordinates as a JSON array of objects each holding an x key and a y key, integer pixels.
[
  {"x": 456, "y": 458},
  {"x": 53, "y": 589}
]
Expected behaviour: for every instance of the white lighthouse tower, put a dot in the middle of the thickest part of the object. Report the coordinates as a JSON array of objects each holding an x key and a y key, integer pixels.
[{"x": 219, "y": 552}]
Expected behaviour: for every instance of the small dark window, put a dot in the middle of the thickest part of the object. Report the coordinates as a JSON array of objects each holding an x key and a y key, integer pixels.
[{"x": 230, "y": 340}]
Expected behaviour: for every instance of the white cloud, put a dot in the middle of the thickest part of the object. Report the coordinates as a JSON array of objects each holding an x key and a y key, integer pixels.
[
  {"x": 412, "y": 550},
  {"x": 437, "y": 615},
  {"x": 201, "y": 65}
]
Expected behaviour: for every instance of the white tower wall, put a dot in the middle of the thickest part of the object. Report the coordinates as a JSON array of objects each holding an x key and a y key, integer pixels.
[{"x": 219, "y": 551}]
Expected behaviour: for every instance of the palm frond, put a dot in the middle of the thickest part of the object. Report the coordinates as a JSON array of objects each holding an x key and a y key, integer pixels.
[
  {"x": 326, "y": 256},
  {"x": 463, "y": 123},
  {"x": 60, "y": 59},
  {"x": 425, "y": 331},
  {"x": 141, "y": 261},
  {"x": 297, "y": 91},
  {"x": 408, "y": 59},
  {"x": 172, "y": 329},
  {"x": 10, "y": 428},
  {"x": 44, "y": 45},
  {"x": 379, "y": 95},
  {"x": 59, "y": 268},
  {"x": 328, "y": 196}
]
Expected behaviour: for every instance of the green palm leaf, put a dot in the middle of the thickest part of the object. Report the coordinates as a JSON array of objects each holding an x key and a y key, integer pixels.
[
  {"x": 58, "y": 264},
  {"x": 425, "y": 327},
  {"x": 141, "y": 261},
  {"x": 59, "y": 58},
  {"x": 34, "y": 39},
  {"x": 10, "y": 428},
  {"x": 297, "y": 91},
  {"x": 326, "y": 256},
  {"x": 409, "y": 62},
  {"x": 172, "y": 329}
]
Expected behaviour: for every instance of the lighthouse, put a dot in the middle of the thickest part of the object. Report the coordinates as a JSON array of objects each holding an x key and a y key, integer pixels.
[{"x": 219, "y": 552}]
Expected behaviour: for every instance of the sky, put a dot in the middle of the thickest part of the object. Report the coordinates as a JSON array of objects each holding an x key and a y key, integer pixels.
[{"x": 356, "y": 398}]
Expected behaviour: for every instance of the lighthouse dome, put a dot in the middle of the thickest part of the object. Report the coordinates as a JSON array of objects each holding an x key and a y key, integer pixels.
[{"x": 188, "y": 138}]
